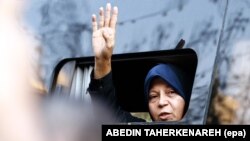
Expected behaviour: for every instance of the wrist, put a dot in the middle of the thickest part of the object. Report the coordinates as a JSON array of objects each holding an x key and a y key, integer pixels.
[{"x": 102, "y": 67}]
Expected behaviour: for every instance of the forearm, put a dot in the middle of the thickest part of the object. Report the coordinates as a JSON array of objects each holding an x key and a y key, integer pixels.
[
  {"x": 103, "y": 91},
  {"x": 102, "y": 67}
]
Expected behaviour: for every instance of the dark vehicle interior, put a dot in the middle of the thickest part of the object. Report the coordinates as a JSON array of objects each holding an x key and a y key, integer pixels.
[{"x": 129, "y": 71}]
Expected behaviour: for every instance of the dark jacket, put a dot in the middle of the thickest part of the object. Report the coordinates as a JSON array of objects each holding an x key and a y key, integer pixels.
[{"x": 103, "y": 91}]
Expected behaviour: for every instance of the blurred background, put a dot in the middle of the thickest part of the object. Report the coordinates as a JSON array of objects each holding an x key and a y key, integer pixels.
[{"x": 218, "y": 30}]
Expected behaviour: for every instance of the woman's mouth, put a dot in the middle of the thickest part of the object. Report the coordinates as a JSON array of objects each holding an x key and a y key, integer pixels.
[{"x": 165, "y": 116}]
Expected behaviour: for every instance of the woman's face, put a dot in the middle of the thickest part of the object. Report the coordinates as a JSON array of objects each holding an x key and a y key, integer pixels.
[{"x": 165, "y": 104}]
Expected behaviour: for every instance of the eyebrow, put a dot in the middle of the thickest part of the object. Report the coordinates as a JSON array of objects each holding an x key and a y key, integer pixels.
[{"x": 168, "y": 88}]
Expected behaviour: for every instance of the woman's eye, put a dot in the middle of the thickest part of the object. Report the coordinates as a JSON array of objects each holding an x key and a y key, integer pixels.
[
  {"x": 171, "y": 93},
  {"x": 151, "y": 96}
]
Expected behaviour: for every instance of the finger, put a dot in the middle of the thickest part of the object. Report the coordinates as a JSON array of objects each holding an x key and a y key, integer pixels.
[
  {"x": 94, "y": 23},
  {"x": 101, "y": 13},
  {"x": 114, "y": 17},
  {"x": 107, "y": 15}
]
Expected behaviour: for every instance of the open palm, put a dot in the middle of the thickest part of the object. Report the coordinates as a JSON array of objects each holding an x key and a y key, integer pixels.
[{"x": 103, "y": 37}]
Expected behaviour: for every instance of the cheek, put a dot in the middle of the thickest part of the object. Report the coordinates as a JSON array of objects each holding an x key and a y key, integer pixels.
[
  {"x": 152, "y": 108},
  {"x": 179, "y": 107}
]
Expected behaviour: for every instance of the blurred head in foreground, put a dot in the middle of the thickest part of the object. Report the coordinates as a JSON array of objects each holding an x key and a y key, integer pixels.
[
  {"x": 25, "y": 116},
  {"x": 73, "y": 120}
]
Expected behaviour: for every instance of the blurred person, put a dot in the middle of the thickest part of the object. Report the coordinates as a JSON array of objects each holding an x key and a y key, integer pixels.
[
  {"x": 164, "y": 85},
  {"x": 72, "y": 119},
  {"x": 20, "y": 118},
  {"x": 25, "y": 115}
]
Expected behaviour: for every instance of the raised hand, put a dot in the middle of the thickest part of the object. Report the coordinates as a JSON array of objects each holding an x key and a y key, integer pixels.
[{"x": 103, "y": 39}]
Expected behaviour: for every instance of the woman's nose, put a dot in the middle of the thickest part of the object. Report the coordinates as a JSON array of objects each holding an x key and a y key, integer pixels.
[{"x": 163, "y": 101}]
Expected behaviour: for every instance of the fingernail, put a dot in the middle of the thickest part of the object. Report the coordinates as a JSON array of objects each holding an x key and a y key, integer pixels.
[
  {"x": 108, "y": 5},
  {"x": 115, "y": 8}
]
